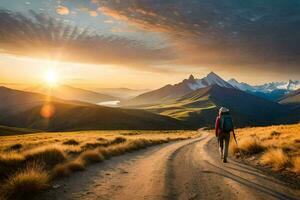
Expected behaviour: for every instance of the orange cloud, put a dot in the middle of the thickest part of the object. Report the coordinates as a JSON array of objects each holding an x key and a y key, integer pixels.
[
  {"x": 141, "y": 23},
  {"x": 121, "y": 30},
  {"x": 93, "y": 13},
  {"x": 62, "y": 10},
  {"x": 112, "y": 13}
]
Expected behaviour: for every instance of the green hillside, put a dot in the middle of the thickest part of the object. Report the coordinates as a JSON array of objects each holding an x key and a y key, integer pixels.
[{"x": 200, "y": 108}]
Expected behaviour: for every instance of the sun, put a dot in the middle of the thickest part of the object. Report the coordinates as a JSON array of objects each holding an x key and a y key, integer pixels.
[{"x": 51, "y": 77}]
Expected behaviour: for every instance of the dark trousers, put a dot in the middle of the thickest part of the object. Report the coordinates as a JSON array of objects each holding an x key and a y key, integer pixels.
[{"x": 223, "y": 140}]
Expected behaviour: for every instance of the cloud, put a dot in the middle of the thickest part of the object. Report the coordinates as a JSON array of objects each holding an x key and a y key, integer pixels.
[
  {"x": 42, "y": 36},
  {"x": 93, "y": 13},
  {"x": 62, "y": 10},
  {"x": 249, "y": 34}
]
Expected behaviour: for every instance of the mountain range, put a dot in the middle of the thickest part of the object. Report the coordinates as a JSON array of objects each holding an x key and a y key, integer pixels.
[
  {"x": 197, "y": 101},
  {"x": 171, "y": 92},
  {"x": 72, "y": 93},
  {"x": 270, "y": 91},
  {"x": 191, "y": 103}
]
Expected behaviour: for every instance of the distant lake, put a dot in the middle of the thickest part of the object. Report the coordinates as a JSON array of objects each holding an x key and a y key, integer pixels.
[{"x": 109, "y": 103}]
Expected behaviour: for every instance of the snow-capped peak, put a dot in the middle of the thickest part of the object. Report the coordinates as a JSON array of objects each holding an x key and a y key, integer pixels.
[
  {"x": 241, "y": 86},
  {"x": 214, "y": 79},
  {"x": 209, "y": 80},
  {"x": 267, "y": 87},
  {"x": 293, "y": 85}
]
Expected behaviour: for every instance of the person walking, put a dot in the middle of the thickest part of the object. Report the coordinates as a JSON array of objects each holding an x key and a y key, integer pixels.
[{"x": 223, "y": 127}]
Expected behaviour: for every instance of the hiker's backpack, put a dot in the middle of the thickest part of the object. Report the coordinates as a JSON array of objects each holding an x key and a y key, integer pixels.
[{"x": 226, "y": 124}]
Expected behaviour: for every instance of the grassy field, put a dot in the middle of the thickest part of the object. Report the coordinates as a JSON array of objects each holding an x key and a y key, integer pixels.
[
  {"x": 277, "y": 147},
  {"x": 29, "y": 162},
  {"x": 182, "y": 108}
]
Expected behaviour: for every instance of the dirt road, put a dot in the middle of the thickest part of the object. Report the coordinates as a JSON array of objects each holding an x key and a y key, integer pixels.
[{"x": 189, "y": 169}]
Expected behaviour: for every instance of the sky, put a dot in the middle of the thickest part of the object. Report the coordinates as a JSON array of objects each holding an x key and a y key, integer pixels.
[{"x": 145, "y": 44}]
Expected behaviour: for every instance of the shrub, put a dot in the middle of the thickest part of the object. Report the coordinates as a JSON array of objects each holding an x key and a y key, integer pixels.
[
  {"x": 275, "y": 158},
  {"x": 71, "y": 142},
  {"x": 50, "y": 156},
  {"x": 118, "y": 140},
  {"x": 101, "y": 139},
  {"x": 91, "y": 156},
  {"x": 296, "y": 164},
  {"x": 249, "y": 146},
  {"x": 94, "y": 145},
  {"x": 60, "y": 170},
  {"x": 275, "y": 133},
  {"x": 297, "y": 140},
  {"x": 67, "y": 168},
  {"x": 76, "y": 165},
  {"x": 26, "y": 182},
  {"x": 14, "y": 147}
]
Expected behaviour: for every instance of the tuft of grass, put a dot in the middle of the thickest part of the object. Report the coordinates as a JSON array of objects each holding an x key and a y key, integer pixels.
[
  {"x": 248, "y": 146},
  {"x": 14, "y": 147},
  {"x": 9, "y": 163},
  {"x": 26, "y": 182},
  {"x": 91, "y": 156},
  {"x": 118, "y": 140},
  {"x": 275, "y": 158},
  {"x": 60, "y": 170},
  {"x": 66, "y": 169},
  {"x": 76, "y": 165},
  {"x": 297, "y": 140},
  {"x": 296, "y": 164},
  {"x": 275, "y": 133},
  {"x": 71, "y": 142},
  {"x": 94, "y": 145},
  {"x": 49, "y": 156}
]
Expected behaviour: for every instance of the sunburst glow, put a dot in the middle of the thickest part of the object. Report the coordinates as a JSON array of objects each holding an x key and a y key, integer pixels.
[{"x": 51, "y": 77}]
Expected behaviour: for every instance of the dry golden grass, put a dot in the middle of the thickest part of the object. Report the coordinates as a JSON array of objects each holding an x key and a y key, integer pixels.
[
  {"x": 276, "y": 158},
  {"x": 280, "y": 145},
  {"x": 26, "y": 182},
  {"x": 91, "y": 156},
  {"x": 296, "y": 164},
  {"x": 61, "y": 154},
  {"x": 67, "y": 168},
  {"x": 71, "y": 142},
  {"x": 248, "y": 145},
  {"x": 49, "y": 156}
]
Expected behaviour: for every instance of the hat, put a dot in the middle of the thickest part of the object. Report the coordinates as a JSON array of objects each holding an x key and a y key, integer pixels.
[{"x": 223, "y": 110}]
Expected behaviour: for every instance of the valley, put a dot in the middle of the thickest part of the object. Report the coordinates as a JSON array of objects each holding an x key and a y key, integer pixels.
[{"x": 189, "y": 104}]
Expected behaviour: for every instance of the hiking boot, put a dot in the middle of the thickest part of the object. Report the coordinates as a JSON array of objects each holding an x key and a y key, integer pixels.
[{"x": 224, "y": 160}]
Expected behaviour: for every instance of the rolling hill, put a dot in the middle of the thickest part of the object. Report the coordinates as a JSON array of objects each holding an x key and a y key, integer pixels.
[
  {"x": 72, "y": 93},
  {"x": 22, "y": 109},
  {"x": 5, "y": 130},
  {"x": 14, "y": 101},
  {"x": 199, "y": 108}
]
